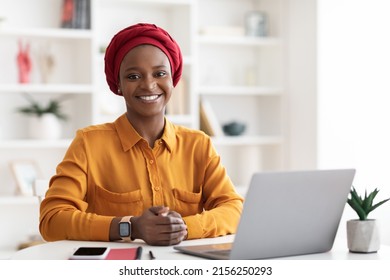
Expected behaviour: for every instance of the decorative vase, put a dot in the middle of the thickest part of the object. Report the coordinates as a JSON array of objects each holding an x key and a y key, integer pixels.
[
  {"x": 45, "y": 127},
  {"x": 234, "y": 128},
  {"x": 363, "y": 236}
]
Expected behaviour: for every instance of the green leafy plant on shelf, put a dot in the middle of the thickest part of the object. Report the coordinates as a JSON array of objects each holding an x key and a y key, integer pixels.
[
  {"x": 363, "y": 206},
  {"x": 37, "y": 109}
]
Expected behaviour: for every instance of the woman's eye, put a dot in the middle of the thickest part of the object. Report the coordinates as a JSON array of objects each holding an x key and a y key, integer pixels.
[
  {"x": 133, "y": 76},
  {"x": 160, "y": 74}
]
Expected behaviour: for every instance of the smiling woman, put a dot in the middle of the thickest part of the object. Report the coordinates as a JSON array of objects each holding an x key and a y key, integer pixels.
[
  {"x": 145, "y": 81},
  {"x": 141, "y": 177}
]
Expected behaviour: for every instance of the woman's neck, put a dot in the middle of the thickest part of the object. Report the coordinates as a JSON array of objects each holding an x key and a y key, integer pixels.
[{"x": 150, "y": 129}]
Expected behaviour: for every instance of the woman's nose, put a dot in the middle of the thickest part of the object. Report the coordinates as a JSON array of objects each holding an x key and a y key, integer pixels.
[{"x": 149, "y": 83}]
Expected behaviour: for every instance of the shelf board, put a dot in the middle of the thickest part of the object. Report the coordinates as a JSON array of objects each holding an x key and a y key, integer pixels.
[
  {"x": 47, "y": 88},
  {"x": 34, "y": 144},
  {"x": 238, "y": 40},
  {"x": 246, "y": 140},
  {"x": 187, "y": 59},
  {"x": 17, "y": 199},
  {"x": 51, "y": 33},
  {"x": 240, "y": 90},
  {"x": 160, "y": 2}
]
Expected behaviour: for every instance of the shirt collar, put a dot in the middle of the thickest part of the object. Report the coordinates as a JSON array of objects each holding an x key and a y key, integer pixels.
[
  {"x": 129, "y": 137},
  {"x": 169, "y": 135}
]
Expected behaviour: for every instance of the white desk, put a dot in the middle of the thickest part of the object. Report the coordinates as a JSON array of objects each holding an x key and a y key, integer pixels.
[{"x": 61, "y": 250}]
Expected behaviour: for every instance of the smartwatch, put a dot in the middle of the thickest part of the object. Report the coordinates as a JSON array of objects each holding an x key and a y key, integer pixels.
[{"x": 125, "y": 228}]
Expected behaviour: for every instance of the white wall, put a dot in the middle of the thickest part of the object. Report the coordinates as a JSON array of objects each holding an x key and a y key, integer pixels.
[
  {"x": 301, "y": 112},
  {"x": 353, "y": 89}
]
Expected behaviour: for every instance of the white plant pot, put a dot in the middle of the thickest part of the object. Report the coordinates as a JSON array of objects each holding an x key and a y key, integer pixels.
[
  {"x": 46, "y": 127},
  {"x": 363, "y": 236}
]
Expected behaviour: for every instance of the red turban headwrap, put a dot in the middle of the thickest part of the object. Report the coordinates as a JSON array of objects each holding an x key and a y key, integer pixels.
[{"x": 133, "y": 36}]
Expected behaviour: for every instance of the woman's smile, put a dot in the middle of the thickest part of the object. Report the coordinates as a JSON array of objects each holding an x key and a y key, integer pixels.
[{"x": 149, "y": 98}]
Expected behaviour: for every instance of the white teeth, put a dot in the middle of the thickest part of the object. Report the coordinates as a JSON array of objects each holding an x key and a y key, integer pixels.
[{"x": 149, "y": 97}]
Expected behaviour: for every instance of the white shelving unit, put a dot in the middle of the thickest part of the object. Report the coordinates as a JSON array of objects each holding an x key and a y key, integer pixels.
[
  {"x": 244, "y": 82},
  {"x": 241, "y": 76},
  {"x": 47, "y": 32},
  {"x": 78, "y": 75},
  {"x": 71, "y": 78}
]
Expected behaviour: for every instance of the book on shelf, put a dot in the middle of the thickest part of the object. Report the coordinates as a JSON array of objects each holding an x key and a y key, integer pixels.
[
  {"x": 76, "y": 14},
  {"x": 208, "y": 119}
]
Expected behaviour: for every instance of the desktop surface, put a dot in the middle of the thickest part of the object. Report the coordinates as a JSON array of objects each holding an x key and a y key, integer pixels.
[{"x": 62, "y": 250}]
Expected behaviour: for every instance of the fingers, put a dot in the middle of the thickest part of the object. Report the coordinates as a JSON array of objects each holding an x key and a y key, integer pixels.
[
  {"x": 170, "y": 239},
  {"x": 163, "y": 211},
  {"x": 170, "y": 235},
  {"x": 169, "y": 220},
  {"x": 159, "y": 226},
  {"x": 159, "y": 210},
  {"x": 172, "y": 228},
  {"x": 174, "y": 214}
]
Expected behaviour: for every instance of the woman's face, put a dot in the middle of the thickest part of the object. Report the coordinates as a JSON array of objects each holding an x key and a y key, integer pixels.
[{"x": 145, "y": 80}]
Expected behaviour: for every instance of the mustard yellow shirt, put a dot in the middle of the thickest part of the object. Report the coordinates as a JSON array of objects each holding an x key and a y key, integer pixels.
[{"x": 110, "y": 170}]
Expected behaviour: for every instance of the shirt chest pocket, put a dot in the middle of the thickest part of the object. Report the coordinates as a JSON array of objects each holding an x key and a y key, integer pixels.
[
  {"x": 187, "y": 203},
  {"x": 118, "y": 204}
]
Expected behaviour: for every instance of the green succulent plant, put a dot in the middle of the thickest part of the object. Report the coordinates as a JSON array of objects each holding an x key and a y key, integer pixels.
[
  {"x": 38, "y": 109},
  {"x": 363, "y": 206}
]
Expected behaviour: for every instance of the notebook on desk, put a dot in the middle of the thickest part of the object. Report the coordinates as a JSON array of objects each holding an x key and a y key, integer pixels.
[{"x": 285, "y": 214}]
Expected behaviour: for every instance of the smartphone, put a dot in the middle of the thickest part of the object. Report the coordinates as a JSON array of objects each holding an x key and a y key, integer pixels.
[{"x": 90, "y": 253}]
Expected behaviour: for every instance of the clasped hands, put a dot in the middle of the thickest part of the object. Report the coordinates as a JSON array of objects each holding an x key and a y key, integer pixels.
[{"x": 159, "y": 226}]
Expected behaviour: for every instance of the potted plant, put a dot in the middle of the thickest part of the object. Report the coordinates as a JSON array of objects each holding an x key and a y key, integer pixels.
[
  {"x": 45, "y": 119},
  {"x": 363, "y": 233}
]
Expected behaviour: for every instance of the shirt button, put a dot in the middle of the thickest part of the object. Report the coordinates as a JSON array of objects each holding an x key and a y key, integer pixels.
[
  {"x": 151, "y": 161},
  {"x": 156, "y": 189}
]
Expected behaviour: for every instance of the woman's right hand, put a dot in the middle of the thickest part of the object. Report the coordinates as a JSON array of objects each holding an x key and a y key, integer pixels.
[{"x": 159, "y": 226}]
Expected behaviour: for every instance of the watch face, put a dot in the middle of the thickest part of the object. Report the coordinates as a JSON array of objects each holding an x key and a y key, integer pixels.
[{"x": 124, "y": 229}]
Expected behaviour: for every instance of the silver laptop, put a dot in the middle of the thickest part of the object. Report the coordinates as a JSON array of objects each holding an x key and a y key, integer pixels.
[{"x": 285, "y": 214}]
